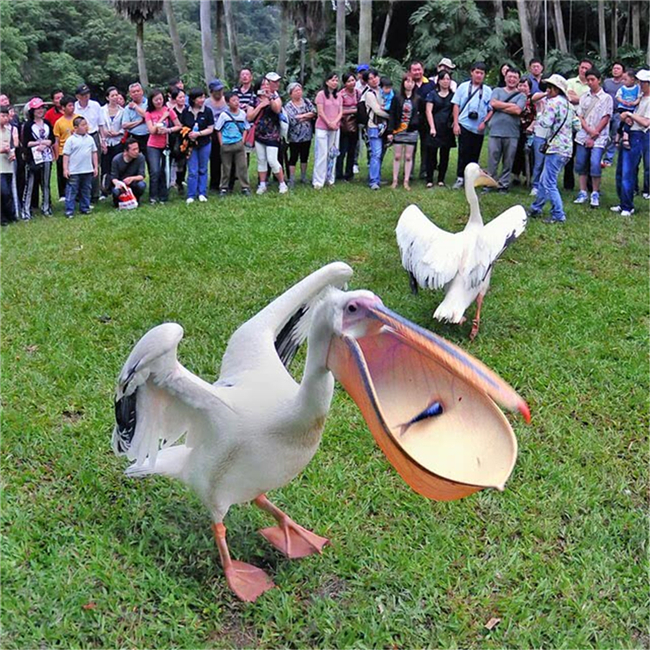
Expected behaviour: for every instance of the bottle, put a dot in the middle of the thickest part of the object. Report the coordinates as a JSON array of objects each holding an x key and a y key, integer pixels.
[{"x": 195, "y": 128}]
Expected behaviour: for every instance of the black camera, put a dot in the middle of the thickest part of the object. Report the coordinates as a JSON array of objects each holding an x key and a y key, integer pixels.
[{"x": 473, "y": 115}]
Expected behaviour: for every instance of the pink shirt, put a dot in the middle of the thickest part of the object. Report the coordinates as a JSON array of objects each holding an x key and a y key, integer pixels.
[
  {"x": 158, "y": 140},
  {"x": 330, "y": 107}
]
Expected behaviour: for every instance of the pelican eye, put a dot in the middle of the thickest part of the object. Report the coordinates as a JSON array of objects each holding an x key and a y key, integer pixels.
[{"x": 352, "y": 307}]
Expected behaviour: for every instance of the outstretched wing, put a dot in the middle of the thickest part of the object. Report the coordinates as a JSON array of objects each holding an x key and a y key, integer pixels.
[
  {"x": 432, "y": 255},
  {"x": 272, "y": 337},
  {"x": 157, "y": 400}
]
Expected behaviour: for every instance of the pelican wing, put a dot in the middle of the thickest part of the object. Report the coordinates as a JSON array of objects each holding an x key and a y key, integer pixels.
[
  {"x": 158, "y": 400},
  {"x": 271, "y": 338},
  {"x": 432, "y": 255},
  {"x": 498, "y": 234}
]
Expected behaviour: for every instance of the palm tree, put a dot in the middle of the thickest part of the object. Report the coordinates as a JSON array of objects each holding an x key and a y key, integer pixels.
[
  {"x": 206, "y": 40},
  {"x": 179, "y": 55},
  {"x": 138, "y": 12},
  {"x": 232, "y": 35},
  {"x": 365, "y": 30}
]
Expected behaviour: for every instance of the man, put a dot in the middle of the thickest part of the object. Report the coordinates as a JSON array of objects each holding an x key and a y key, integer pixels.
[
  {"x": 134, "y": 119},
  {"x": 630, "y": 159},
  {"x": 535, "y": 72},
  {"x": 594, "y": 111},
  {"x": 274, "y": 86},
  {"x": 362, "y": 77},
  {"x": 423, "y": 87},
  {"x": 360, "y": 86},
  {"x": 576, "y": 87},
  {"x": 377, "y": 118},
  {"x": 611, "y": 86},
  {"x": 446, "y": 65},
  {"x": 472, "y": 112},
  {"x": 245, "y": 90},
  {"x": 8, "y": 189},
  {"x": 507, "y": 104},
  {"x": 55, "y": 111},
  {"x": 127, "y": 170},
  {"x": 90, "y": 110}
]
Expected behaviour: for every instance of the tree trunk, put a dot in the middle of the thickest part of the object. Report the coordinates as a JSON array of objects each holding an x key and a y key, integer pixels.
[
  {"x": 221, "y": 40},
  {"x": 558, "y": 24},
  {"x": 384, "y": 35},
  {"x": 179, "y": 55},
  {"x": 232, "y": 36},
  {"x": 206, "y": 40},
  {"x": 365, "y": 30},
  {"x": 602, "y": 32},
  {"x": 636, "y": 25},
  {"x": 614, "y": 48},
  {"x": 498, "y": 17},
  {"x": 340, "y": 34},
  {"x": 303, "y": 44},
  {"x": 283, "y": 39},
  {"x": 526, "y": 34},
  {"x": 142, "y": 64}
]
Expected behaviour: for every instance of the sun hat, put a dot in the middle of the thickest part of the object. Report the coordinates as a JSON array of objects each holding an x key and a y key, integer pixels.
[
  {"x": 447, "y": 63},
  {"x": 35, "y": 102},
  {"x": 293, "y": 85},
  {"x": 643, "y": 75},
  {"x": 82, "y": 89},
  {"x": 559, "y": 82},
  {"x": 215, "y": 84},
  {"x": 273, "y": 76}
]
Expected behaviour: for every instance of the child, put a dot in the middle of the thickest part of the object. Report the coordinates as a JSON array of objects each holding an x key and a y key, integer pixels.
[
  {"x": 63, "y": 129},
  {"x": 79, "y": 167},
  {"x": 386, "y": 96},
  {"x": 230, "y": 129},
  {"x": 628, "y": 97}
]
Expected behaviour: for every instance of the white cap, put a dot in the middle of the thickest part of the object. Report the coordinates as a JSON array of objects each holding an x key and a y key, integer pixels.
[{"x": 643, "y": 75}]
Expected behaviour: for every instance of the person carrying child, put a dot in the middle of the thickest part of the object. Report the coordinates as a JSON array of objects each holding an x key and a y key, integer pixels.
[
  {"x": 231, "y": 126},
  {"x": 628, "y": 97},
  {"x": 80, "y": 167}
]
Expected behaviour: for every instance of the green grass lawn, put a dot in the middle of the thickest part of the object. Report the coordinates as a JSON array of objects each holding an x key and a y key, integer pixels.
[{"x": 92, "y": 559}]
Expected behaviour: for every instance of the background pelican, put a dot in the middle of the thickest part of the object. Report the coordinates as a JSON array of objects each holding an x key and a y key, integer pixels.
[
  {"x": 460, "y": 262},
  {"x": 256, "y": 428}
]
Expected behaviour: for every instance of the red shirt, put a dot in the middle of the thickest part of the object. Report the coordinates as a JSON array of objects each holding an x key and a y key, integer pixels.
[{"x": 52, "y": 115}]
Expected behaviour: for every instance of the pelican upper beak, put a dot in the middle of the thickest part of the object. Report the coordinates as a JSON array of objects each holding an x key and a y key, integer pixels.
[
  {"x": 485, "y": 179},
  {"x": 396, "y": 373}
]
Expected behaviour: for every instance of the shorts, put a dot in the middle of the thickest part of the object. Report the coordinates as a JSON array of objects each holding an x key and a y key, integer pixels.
[{"x": 587, "y": 161}]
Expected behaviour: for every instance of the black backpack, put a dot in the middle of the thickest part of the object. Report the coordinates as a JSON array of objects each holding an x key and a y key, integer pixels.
[{"x": 362, "y": 109}]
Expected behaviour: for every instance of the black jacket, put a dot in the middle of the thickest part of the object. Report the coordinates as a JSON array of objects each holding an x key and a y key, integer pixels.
[{"x": 396, "y": 113}]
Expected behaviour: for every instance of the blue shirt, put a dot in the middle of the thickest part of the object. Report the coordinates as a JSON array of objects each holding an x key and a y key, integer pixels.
[
  {"x": 480, "y": 103},
  {"x": 232, "y": 126},
  {"x": 131, "y": 115}
]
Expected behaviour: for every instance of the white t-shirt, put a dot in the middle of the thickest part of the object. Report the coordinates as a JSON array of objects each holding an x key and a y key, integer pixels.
[
  {"x": 643, "y": 109},
  {"x": 79, "y": 149},
  {"x": 92, "y": 113},
  {"x": 112, "y": 124}
]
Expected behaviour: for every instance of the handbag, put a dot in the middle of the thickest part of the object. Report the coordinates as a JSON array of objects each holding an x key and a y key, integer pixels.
[
  {"x": 349, "y": 123},
  {"x": 126, "y": 200}
]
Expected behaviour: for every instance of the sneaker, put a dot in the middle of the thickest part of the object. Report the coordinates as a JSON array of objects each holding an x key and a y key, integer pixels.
[
  {"x": 533, "y": 192},
  {"x": 283, "y": 189},
  {"x": 62, "y": 199},
  {"x": 246, "y": 192},
  {"x": 92, "y": 206},
  {"x": 152, "y": 201},
  {"x": 534, "y": 214},
  {"x": 102, "y": 198},
  {"x": 223, "y": 193},
  {"x": 69, "y": 215},
  {"x": 458, "y": 184},
  {"x": 582, "y": 198},
  {"x": 374, "y": 186},
  {"x": 553, "y": 220},
  {"x": 317, "y": 186},
  {"x": 355, "y": 169},
  {"x": 261, "y": 189},
  {"x": 202, "y": 199},
  {"x": 616, "y": 208},
  {"x": 627, "y": 213},
  {"x": 646, "y": 196},
  {"x": 595, "y": 200},
  {"x": 189, "y": 201},
  {"x": 292, "y": 183}
]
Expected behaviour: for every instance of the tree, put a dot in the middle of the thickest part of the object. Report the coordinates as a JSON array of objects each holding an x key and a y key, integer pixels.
[
  {"x": 636, "y": 24},
  {"x": 602, "y": 32},
  {"x": 206, "y": 40},
  {"x": 232, "y": 35},
  {"x": 221, "y": 38},
  {"x": 139, "y": 12},
  {"x": 526, "y": 32},
  {"x": 384, "y": 34},
  {"x": 558, "y": 27},
  {"x": 179, "y": 55},
  {"x": 340, "y": 34},
  {"x": 365, "y": 30},
  {"x": 284, "y": 38}
]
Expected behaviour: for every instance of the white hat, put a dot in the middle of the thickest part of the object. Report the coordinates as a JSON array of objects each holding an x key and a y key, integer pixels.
[
  {"x": 447, "y": 63},
  {"x": 559, "y": 82},
  {"x": 273, "y": 76},
  {"x": 643, "y": 75}
]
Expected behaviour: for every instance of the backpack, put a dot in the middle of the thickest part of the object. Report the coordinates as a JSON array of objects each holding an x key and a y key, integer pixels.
[
  {"x": 284, "y": 124},
  {"x": 362, "y": 109}
]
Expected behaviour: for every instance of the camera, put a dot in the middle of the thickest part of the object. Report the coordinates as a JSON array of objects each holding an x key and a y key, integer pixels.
[
  {"x": 261, "y": 93},
  {"x": 473, "y": 115}
]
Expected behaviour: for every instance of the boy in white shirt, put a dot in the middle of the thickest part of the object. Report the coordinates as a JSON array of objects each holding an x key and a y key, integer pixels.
[{"x": 79, "y": 167}]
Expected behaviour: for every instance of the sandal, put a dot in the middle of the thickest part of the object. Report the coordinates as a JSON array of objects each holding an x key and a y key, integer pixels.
[
  {"x": 441, "y": 184},
  {"x": 429, "y": 186}
]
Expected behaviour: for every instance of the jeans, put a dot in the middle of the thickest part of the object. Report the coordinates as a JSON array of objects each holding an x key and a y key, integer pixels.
[
  {"x": 631, "y": 159},
  {"x": 197, "y": 171},
  {"x": 80, "y": 186},
  {"x": 9, "y": 197},
  {"x": 138, "y": 188},
  {"x": 548, "y": 189},
  {"x": 538, "y": 160},
  {"x": 376, "y": 149},
  {"x": 158, "y": 189}
]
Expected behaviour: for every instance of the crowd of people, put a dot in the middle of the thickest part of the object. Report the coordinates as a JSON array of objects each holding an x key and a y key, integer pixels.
[{"x": 193, "y": 141}]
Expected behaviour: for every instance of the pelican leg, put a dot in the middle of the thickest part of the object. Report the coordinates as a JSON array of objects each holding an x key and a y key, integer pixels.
[
  {"x": 477, "y": 319},
  {"x": 245, "y": 580},
  {"x": 289, "y": 538}
]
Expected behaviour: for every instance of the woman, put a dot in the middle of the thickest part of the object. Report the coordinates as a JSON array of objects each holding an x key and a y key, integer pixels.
[
  {"x": 264, "y": 114},
  {"x": 37, "y": 141},
  {"x": 349, "y": 128},
  {"x": 439, "y": 113},
  {"x": 110, "y": 132},
  {"x": 159, "y": 119},
  {"x": 301, "y": 113},
  {"x": 403, "y": 128},
  {"x": 217, "y": 104},
  {"x": 501, "y": 81},
  {"x": 177, "y": 104},
  {"x": 329, "y": 105},
  {"x": 200, "y": 122},
  {"x": 523, "y": 158}
]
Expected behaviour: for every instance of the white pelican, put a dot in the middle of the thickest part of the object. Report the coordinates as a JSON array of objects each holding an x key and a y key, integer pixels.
[
  {"x": 255, "y": 429},
  {"x": 460, "y": 262}
]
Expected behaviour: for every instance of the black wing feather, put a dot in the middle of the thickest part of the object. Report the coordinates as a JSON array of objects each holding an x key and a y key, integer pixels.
[
  {"x": 287, "y": 342},
  {"x": 125, "y": 418}
]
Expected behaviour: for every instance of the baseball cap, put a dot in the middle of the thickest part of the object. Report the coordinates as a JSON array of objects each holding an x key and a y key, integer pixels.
[
  {"x": 362, "y": 67},
  {"x": 35, "y": 102},
  {"x": 82, "y": 89},
  {"x": 643, "y": 75},
  {"x": 447, "y": 63},
  {"x": 215, "y": 84}
]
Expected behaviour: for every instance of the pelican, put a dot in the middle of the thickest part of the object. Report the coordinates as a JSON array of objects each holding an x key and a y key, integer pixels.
[
  {"x": 256, "y": 428},
  {"x": 460, "y": 262}
]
